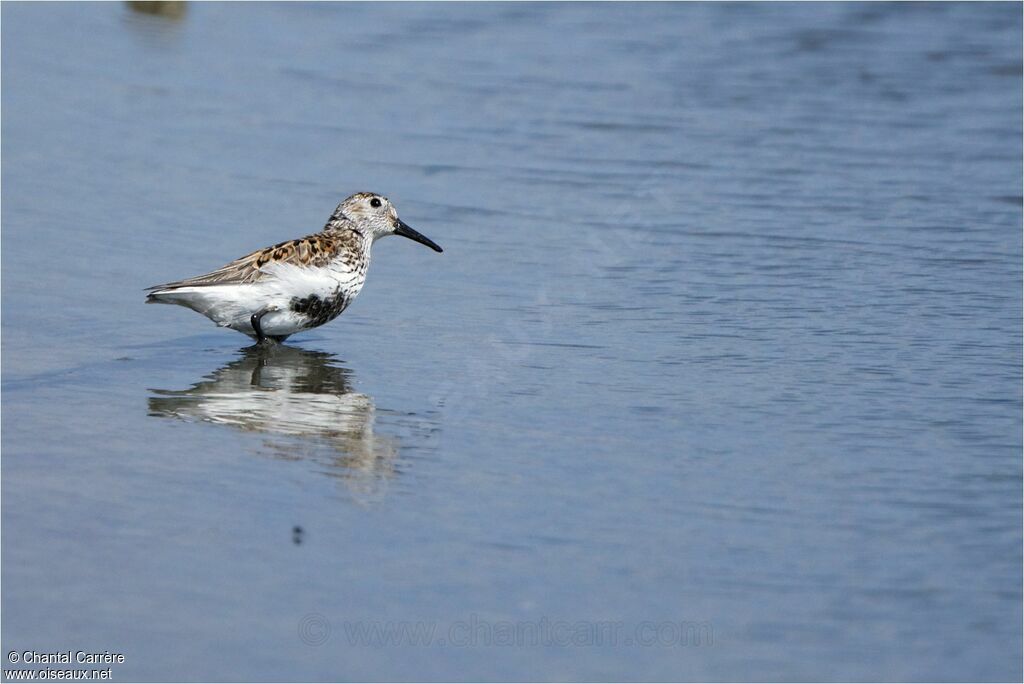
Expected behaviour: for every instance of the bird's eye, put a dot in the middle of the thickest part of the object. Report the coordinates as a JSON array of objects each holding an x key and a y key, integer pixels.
[{"x": 375, "y": 202}]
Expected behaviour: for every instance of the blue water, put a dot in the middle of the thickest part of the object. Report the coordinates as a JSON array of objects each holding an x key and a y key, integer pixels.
[{"x": 724, "y": 349}]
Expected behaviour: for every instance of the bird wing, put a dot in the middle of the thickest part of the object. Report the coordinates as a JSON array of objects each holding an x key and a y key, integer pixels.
[{"x": 312, "y": 250}]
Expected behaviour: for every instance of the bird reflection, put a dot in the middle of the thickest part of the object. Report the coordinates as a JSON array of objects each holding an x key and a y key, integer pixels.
[{"x": 303, "y": 402}]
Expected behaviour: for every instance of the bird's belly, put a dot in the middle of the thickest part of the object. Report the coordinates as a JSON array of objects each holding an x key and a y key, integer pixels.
[
  {"x": 285, "y": 322},
  {"x": 304, "y": 312},
  {"x": 306, "y": 299},
  {"x": 292, "y": 300}
]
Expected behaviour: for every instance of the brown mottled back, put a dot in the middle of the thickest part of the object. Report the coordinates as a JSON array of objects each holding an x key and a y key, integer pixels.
[{"x": 313, "y": 250}]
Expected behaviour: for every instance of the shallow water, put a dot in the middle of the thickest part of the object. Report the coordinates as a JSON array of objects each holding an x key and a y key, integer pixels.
[{"x": 718, "y": 377}]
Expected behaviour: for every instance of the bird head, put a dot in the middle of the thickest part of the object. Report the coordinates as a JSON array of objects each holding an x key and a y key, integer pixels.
[{"x": 375, "y": 215}]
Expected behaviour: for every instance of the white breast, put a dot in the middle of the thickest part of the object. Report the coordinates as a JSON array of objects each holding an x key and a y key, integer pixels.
[
  {"x": 287, "y": 280},
  {"x": 288, "y": 283}
]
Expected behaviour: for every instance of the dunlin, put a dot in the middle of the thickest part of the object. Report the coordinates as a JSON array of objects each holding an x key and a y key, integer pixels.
[{"x": 294, "y": 285}]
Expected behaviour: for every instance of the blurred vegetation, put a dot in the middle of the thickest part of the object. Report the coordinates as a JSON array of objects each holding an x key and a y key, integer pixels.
[{"x": 173, "y": 9}]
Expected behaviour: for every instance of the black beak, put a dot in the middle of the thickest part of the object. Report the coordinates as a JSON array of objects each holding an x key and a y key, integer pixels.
[{"x": 404, "y": 230}]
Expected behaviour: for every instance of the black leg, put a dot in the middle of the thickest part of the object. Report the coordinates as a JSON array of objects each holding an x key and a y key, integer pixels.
[{"x": 255, "y": 320}]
